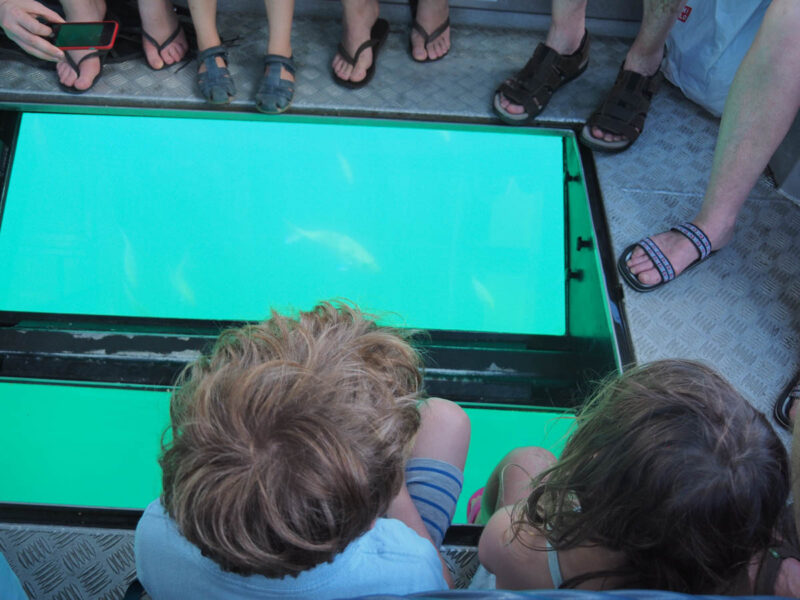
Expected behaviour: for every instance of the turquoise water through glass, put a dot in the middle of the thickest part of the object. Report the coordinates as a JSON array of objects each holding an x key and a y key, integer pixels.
[{"x": 449, "y": 226}]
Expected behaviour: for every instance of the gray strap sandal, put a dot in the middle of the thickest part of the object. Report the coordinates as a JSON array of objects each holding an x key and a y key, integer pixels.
[
  {"x": 216, "y": 84},
  {"x": 275, "y": 94}
]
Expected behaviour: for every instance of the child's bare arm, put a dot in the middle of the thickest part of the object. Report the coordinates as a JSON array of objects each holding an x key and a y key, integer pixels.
[
  {"x": 402, "y": 508},
  {"x": 515, "y": 565}
]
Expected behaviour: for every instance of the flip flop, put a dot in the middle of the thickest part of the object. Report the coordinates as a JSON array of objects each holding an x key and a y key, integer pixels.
[
  {"x": 689, "y": 230},
  {"x": 377, "y": 36},
  {"x": 427, "y": 38},
  {"x": 161, "y": 46},
  {"x": 474, "y": 506},
  {"x": 784, "y": 404},
  {"x": 76, "y": 66}
]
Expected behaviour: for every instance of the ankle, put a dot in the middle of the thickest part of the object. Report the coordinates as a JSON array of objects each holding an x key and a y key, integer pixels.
[
  {"x": 645, "y": 63},
  {"x": 565, "y": 40},
  {"x": 280, "y": 48}
]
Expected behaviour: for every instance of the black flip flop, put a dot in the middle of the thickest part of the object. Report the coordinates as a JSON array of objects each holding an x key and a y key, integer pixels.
[
  {"x": 76, "y": 66},
  {"x": 377, "y": 36},
  {"x": 427, "y": 38},
  {"x": 161, "y": 46},
  {"x": 784, "y": 404}
]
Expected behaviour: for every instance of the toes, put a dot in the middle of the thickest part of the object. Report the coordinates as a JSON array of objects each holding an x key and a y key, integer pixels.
[
  {"x": 66, "y": 75},
  {"x": 89, "y": 72},
  {"x": 418, "y": 48},
  {"x": 152, "y": 56}
]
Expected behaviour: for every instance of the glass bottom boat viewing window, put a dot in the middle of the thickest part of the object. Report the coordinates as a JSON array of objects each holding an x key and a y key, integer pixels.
[{"x": 130, "y": 241}]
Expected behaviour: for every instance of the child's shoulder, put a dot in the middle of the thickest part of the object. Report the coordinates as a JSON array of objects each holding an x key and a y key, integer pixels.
[{"x": 403, "y": 561}]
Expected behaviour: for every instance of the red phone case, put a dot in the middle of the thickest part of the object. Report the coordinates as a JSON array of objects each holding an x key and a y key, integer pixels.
[{"x": 106, "y": 47}]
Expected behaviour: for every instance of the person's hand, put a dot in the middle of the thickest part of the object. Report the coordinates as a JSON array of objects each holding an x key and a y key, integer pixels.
[{"x": 18, "y": 20}]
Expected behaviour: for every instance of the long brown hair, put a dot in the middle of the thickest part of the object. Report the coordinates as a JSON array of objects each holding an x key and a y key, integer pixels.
[
  {"x": 670, "y": 466},
  {"x": 289, "y": 440}
]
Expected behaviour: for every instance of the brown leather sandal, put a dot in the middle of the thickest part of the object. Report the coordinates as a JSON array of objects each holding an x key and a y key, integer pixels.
[
  {"x": 543, "y": 74},
  {"x": 623, "y": 111}
]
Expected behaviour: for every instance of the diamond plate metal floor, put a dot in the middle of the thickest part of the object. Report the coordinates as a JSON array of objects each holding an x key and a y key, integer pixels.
[{"x": 740, "y": 311}]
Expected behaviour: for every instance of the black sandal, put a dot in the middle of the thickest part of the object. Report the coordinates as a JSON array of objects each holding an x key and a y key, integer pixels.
[
  {"x": 784, "y": 404},
  {"x": 275, "y": 94},
  {"x": 624, "y": 110},
  {"x": 543, "y": 74},
  {"x": 216, "y": 84}
]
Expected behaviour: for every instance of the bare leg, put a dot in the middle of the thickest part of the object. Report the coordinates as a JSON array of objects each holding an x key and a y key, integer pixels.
[
  {"x": 159, "y": 21},
  {"x": 204, "y": 17},
  {"x": 280, "y": 14},
  {"x": 430, "y": 15},
  {"x": 647, "y": 50},
  {"x": 358, "y": 16},
  {"x": 81, "y": 10},
  {"x": 510, "y": 480},
  {"x": 564, "y": 36},
  {"x": 762, "y": 102},
  {"x": 443, "y": 435}
]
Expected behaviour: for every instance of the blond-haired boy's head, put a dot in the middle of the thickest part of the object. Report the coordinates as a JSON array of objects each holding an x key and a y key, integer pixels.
[{"x": 289, "y": 440}]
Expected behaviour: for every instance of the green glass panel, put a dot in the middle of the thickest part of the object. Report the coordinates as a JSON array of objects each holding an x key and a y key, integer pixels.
[
  {"x": 85, "y": 446},
  {"x": 94, "y": 446},
  {"x": 495, "y": 432},
  {"x": 452, "y": 226}
]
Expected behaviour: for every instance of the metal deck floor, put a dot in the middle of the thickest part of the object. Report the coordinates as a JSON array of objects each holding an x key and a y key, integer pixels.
[{"x": 740, "y": 311}]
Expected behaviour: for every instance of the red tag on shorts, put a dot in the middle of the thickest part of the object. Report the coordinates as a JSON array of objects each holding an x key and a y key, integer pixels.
[{"x": 684, "y": 16}]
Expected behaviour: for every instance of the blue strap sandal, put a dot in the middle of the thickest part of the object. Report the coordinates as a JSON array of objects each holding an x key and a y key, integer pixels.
[
  {"x": 216, "y": 84},
  {"x": 275, "y": 94},
  {"x": 691, "y": 231}
]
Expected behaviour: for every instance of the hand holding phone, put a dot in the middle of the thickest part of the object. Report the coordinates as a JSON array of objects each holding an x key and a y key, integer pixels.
[
  {"x": 18, "y": 18},
  {"x": 79, "y": 36}
]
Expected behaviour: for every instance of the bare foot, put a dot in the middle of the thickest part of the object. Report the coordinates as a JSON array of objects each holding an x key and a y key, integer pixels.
[
  {"x": 89, "y": 70},
  {"x": 677, "y": 248},
  {"x": 159, "y": 21},
  {"x": 430, "y": 15},
  {"x": 357, "y": 22}
]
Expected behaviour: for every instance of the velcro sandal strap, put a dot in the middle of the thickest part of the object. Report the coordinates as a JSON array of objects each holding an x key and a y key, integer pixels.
[
  {"x": 213, "y": 52},
  {"x": 659, "y": 259},
  {"x": 278, "y": 60},
  {"x": 695, "y": 235}
]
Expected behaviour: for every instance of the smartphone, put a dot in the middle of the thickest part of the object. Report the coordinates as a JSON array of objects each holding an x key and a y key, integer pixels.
[{"x": 78, "y": 36}]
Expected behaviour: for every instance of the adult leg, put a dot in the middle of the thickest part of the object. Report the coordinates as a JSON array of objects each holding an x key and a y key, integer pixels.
[
  {"x": 762, "y": 103},
  {"x": 358, "y": 17},
  {"x": 564, "y": 36},
  {"x": 434, "y": 474},
  {"x": 647, "y": 51},
  {"x": 81, "y": 10},
  {"x": 161, "y": 23},
  {"x": 431, "y": 14}
]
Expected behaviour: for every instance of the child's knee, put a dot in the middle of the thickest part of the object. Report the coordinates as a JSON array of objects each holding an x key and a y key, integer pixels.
[
  {"x": 446, "y": 417},
  {"x": 532, "y": 459}
]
